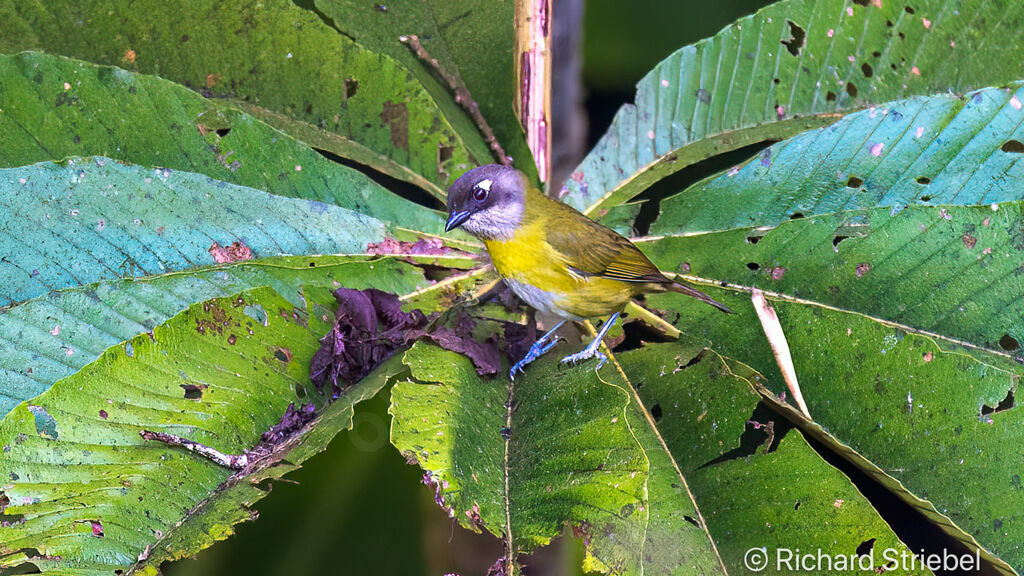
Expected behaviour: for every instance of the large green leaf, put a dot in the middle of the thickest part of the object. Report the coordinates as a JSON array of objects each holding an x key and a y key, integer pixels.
[
  {"x": 898, "y": 294},
  {"x": 51, "y": 337},
  {"x": 152, "y": 122},
  {"x": 759, "y": 484},
  {"x": 910, "y": 404},
  {"x": 794, "y": 65},
  {"x": 933, "y": 352},
  {"x": 274, "y": 57},
  {"x": 246, "y": 354},
  {"x": 84, "y": 494},
  {"x": 97, "y": 219},
  {"x": 953, "y": 270},
  {"x": 577, "y": 448},
  {"x": 472, "y": 39},
  {"x": 521, "y": 459},
  {"x": 933, "y": 150}
]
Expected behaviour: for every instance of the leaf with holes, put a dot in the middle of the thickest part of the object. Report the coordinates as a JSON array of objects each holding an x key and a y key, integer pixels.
[
  {"x": 98, "y": 256},
  {"x": 901, "y": 375},
  {"x": 758, "y": 482},
  {"x": 794, "y": 65},
  {"x": 923, "y": 151},
  {"x": 471, "y": 39},
  {"x": 83, "y": 493},
  {"x": 276, "y": 59},
  {"x": 522, "y": 459},
  {"x": 145, "y": 120},
  {"x": 927, "y": 416},
  {"x": 95, "y": 219}
]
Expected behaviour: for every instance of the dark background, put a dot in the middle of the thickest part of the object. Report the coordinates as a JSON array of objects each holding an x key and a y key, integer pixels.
[{"x": 358, "y": 508}]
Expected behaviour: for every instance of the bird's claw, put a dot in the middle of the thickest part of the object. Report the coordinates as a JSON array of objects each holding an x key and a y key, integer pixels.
[
  {"x": 538, "y": 349},
  {"x": 586, "y": 354}
]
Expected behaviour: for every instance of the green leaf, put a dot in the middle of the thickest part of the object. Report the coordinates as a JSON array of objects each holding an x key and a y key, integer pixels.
[
  {"x": 97, "y": 219},
  {"x": 935, "y": 150},
  {"x": 152, "y": 122},
  {"x": 794, "y": 65},
  {"x": 51, "y": 337},
  {"x": 472, "y": 39},
  {"x": 84, "y": 494},
  {"x": 274, "y": 56},
  {"x": 550, "y": 448},
  {"x": 758, "y": 482},
  {"x": 957, "y": 268},
  {"x": 909, "y": 404},
  {"x": 901, "y": 310}
]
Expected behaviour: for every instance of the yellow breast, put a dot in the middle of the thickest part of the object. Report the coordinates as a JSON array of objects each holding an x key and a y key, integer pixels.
[{"x": 538, "y": 274}]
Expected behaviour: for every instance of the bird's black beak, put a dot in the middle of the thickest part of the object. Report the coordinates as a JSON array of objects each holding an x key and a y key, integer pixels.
[{"x": 455, "y": 219}]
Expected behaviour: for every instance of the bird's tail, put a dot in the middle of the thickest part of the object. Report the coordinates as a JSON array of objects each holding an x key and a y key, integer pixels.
[{"x": 690, "y": 291}]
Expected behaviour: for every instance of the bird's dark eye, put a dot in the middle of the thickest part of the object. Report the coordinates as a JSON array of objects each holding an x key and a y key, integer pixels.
[{"x": 479, "y": 194}]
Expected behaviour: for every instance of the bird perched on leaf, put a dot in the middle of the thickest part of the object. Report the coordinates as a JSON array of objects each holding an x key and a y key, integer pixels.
[{"x": 553, "y": 257}]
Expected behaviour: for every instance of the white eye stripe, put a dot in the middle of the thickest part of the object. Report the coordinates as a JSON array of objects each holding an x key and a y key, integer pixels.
[{"x": 484, "y": 184}]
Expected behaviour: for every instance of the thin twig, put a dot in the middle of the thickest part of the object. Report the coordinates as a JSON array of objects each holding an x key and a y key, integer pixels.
[
  {"x": 462, "y": 96},
  {"x": 232, "y": 461},
  {"x": 780, "y": 348}
]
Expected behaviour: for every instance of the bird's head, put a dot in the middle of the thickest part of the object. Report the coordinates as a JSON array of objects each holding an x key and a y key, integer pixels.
[{"x": 488, "y": 202}]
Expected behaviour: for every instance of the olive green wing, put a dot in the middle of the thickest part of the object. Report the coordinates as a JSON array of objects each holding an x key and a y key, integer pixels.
[{"x": 590, "y": 249}]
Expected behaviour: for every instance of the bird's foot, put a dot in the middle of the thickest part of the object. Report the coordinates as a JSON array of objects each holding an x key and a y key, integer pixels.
[
  {"x": 587, "y": 353},
  {"x": 538, "y": 349}
]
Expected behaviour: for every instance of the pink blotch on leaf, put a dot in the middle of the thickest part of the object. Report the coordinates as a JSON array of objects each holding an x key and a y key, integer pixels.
[
  {"x": 862, "y": 269},
  {"x": 927, "y": 23},
  {"x": 233, "y": 253},
  {"x": 876, "y": 149}
]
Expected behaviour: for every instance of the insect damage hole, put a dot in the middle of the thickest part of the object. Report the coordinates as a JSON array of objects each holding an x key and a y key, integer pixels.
[
  {"x": 924, "y": 180},
  {"x": 796, "y": 38},
  {"x": 351, "y": 86},
  {"x": 656, "y": 412},
  {"x": 753, "y": 266},
  {"x": 867, "y": 70},
  {"x": 865, "y": 547},
  {"x": 1013, "y": 147},
  {"x": 1005, "y": 404},
  {"x": 1009, "y": 343},
  {"x": 193, "y": 391},
  {"x": 854, "y": 182}
]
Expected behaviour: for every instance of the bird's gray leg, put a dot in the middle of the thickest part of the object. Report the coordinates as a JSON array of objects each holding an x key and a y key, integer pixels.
[
  {"x": 538, "y": 349},
  {"x": 592, "y": 349}
]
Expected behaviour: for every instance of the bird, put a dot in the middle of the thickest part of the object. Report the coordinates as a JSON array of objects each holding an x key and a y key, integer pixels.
[{"x": 556, "y": 259}]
